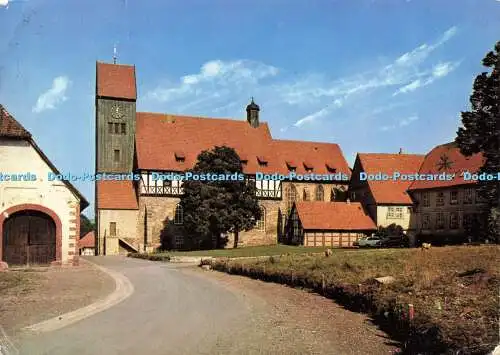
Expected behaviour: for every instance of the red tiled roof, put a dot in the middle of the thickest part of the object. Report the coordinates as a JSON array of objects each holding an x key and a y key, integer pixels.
[
  {"x": 160, "y": 136},
  {"x": 9, "y": 127},
  {"x": 458, "y": 164},
  {"x": 344, "y": 216},
  {"x": 116, "y": 80},
  {"x": 87, "y": 241},
  {"x": 314, "y": 154},
  {"x": 116, "y": 194},
  {"x": 390, "y": 191}
]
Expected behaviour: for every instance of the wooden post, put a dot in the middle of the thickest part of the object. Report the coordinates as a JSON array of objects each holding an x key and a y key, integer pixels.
[{"x": 411, "y": 312}]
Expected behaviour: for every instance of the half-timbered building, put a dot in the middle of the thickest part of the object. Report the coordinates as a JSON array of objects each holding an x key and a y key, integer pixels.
[{"x": 144, "y": 214}]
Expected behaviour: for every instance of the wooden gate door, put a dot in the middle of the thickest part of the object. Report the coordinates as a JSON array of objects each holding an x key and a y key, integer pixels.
[{"x": 29, "y": 238}]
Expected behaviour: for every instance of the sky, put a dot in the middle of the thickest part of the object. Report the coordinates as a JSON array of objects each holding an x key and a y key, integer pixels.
[{"x": 370, "y": 75}]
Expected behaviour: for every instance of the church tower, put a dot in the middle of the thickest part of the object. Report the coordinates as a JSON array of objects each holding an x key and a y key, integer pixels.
[
  {"x": 253, "y": 114},
  {"x": 115, "y": 125},
  {"x": 115, "y": 108}
]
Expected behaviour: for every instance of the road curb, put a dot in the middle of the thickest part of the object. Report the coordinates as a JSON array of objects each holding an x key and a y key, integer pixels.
[{"x": 123, "y": 290}]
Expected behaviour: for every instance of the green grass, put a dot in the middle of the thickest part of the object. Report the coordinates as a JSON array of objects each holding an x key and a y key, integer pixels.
[
  {"x": 453, "y": 289},
  {"x": 250, "y": 251}
]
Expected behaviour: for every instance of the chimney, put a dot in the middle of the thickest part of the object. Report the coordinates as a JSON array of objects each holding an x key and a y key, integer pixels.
[
  {"x": 400, "y": 151},
  {"x": 253, "y": 114}
]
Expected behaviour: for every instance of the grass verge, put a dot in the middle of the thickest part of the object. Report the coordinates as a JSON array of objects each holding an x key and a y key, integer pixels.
[{"x": 454, "y": 291}]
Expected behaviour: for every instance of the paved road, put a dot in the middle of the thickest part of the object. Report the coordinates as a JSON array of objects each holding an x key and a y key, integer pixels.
[{"x": 177, "y": 311}]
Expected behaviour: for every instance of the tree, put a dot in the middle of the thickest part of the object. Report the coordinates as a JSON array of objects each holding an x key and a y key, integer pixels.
[
  {"x": 481, "y": 129},
  {"x": 213, "y": 207},
  {"x": 86, "y": 225}
]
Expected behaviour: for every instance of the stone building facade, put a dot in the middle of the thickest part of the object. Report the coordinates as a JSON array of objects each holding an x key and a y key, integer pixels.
[
  {"x": 445, "y": 208},
  {"x": 39, "y": 215},
  {"x": 142, "y": 214}
]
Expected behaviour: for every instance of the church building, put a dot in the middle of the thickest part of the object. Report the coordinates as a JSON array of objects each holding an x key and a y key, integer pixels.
[{"x": 144, "y": 214}]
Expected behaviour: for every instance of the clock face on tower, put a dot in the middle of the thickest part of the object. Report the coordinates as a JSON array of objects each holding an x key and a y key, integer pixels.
[{"x": 117, "y": 111}]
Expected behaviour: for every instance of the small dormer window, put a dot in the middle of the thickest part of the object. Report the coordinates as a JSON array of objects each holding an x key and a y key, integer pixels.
[
  {"x": 291, "y": 166},
  {"x": 244, "y": 161},
  {"x": 330, "y": 168},
  {"x": 262, "y": 160},
  {"x": 308, "y": 166},
  {"x": 179, "y": 157}
]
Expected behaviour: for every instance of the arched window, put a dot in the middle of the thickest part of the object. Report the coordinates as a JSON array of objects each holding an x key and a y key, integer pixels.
[
  {"x": 320, "y": 193},
  {"x": 305, "y": 195},
  {"x": 290, "y": 197},
  {"x": 179, "y": 215},
  {"x": 261, "y": 223}
]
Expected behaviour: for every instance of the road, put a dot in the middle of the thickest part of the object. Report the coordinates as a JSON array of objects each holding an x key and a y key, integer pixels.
[{"x": 174, "y": 310}]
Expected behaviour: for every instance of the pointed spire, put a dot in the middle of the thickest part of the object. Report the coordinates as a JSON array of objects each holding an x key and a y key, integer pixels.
[{"x": 114, "y": 54}]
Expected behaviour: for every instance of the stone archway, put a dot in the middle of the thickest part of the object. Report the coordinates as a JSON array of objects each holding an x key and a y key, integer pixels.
[{"x": 30, "y": 234}]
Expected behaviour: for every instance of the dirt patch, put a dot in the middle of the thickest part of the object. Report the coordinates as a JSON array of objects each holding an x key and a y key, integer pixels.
[
  {"x": 28, "y": 296},
  {"x": 296, "y": 322}
]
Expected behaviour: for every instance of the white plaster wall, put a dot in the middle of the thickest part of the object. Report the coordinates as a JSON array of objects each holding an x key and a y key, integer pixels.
[
  {"x": 20, "y": 157},
  {"x": 384, "y": 221}
]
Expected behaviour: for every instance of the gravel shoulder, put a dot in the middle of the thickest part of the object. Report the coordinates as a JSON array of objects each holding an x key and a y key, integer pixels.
[
  {"x": 33, "y": 295},
  {"x": 291, "y": 321}
]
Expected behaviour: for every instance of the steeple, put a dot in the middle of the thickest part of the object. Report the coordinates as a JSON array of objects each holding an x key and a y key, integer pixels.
[{"x": 253, "y": 114}]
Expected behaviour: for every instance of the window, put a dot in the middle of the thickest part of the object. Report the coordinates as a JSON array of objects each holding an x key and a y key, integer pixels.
[
  {"x": 179, "y": 215},
  {"x": 268, "y": 188},
  {"x": 110, "y": 128},
  {"x": 117, "y": 155},
  {"x": 468, "y": 196},
  {"x": 117, "y": 128},
  {"x": 454, "y": 197},
  {"x": 440, "y": 220},
  {"x": 440, "y": 199},
  {"x": 454, "y": 220},
  {"x": 112, "y": 229},
  {"x": 320, "y": 193},
  {"x": 426, "y": 221},
  {"x": 305, "y": 195},
  {"x": 426, "y": 200},
  {"x": 261, "y": 223},
  {"x": 123, "y": 128},
  {"x": 179, "y": 241},
  {"x": 353, "y": 195},
  {"x": 467, "y": 221},
  {"x": 290, "y": 197},
  {"x": 395, "y": 212}
]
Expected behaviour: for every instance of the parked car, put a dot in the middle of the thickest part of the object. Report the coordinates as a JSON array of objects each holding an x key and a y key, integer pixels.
[
  {"x": 395, "y": 241},
  {"x": 373, "y": 241}
]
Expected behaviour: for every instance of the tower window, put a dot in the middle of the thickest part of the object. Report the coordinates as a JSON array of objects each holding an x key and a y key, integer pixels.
[
  {"x": 117, "y": 128},
  {"x": 117, "y": 155},
  {"x": 112, "y": 229},
  {"x": 123, "y": 127},
  {"x": 110, "y": 128}
]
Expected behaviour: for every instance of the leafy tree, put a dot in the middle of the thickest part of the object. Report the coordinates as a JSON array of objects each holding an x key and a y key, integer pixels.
[
  {"x": 481, "y": 129},
  {"x": 86, "y": 225},
  {"x": 212, "y": 208},
  {"x": 390, "y": 230}
]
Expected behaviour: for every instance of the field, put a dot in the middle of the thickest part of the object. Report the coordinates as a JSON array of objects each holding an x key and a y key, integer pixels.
[
  {"x": 454, "y": 290},
  {"x": 267, "y": 250}
]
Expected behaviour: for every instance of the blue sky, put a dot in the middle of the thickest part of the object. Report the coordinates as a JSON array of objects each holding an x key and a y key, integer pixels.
[{"x": 370, "y": 75}]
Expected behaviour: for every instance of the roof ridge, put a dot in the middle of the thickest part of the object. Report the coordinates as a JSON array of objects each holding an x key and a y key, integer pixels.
[
  {"x": 396, "y": 154},
  {"x": 302, "y": 141},
  {"x": 197, "y": 117}
]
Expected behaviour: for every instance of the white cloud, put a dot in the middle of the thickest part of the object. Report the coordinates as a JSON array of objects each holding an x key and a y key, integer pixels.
[
  {"x": 224, "y": 87},
  {"x": 216, "y": 74},
  {"x": 54, "y": 96},
  {"x": 404, "y": 70},
  {"x": 4, "y": 2},
  {"x": 407, "y": 121}
]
